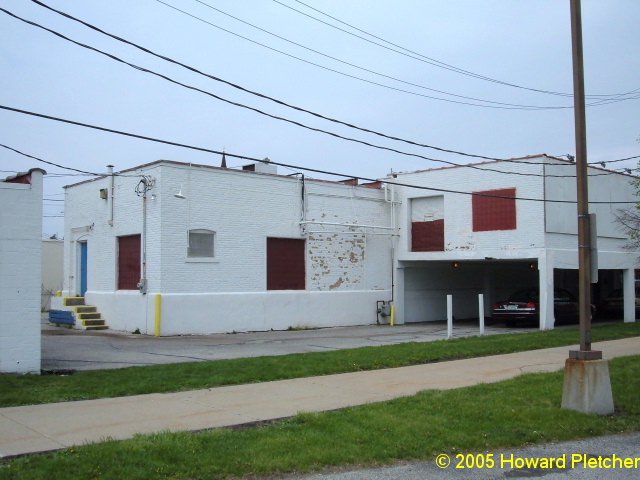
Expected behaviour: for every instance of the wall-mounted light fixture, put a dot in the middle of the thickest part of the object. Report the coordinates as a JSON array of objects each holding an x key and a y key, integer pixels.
[
  {"x": 179, "y": 194},
  {"x": 455, "y": 264}
]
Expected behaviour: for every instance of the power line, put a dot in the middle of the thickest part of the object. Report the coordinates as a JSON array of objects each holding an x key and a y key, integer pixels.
[
  {"x": 286, "y": 165},
  {"x": 503, "y": 107},
  {"x": 45, "y": 161},
  {"x": 263, "y": 96},
  {"x": 299, "y": 124},
  {"x": 261, "y": 112},
  {"x": 368, "y": 70},
  {"x": 423, "y": 58}
]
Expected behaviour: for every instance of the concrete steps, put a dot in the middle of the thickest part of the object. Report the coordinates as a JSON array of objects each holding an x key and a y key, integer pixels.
[{"x": 87, "y": 316}]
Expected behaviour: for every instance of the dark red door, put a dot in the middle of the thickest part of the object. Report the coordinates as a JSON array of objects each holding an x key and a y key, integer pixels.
[
  {"x": 129, "y": 263},
  {"x": 285, "y": 264}
]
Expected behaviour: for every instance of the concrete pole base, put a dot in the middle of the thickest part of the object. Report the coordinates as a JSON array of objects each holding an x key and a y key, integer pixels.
[{"x": 587, "y": 386}]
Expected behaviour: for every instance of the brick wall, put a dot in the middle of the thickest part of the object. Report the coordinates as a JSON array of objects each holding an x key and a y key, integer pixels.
[
  {"x": 20, "y": 274},
  {"x": 243, "y": 209}
]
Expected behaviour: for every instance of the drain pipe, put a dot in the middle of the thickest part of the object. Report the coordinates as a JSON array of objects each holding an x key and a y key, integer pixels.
[{"x": 111, "y": 190}]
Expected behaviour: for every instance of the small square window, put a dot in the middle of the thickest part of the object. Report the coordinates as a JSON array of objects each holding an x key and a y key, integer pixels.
[{"x": 200, "y": 244}]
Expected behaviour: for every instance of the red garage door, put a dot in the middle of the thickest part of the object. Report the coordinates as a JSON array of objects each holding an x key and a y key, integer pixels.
[
  {"x": 285, "y": 264},
  {"x": 129, "y": 262}
]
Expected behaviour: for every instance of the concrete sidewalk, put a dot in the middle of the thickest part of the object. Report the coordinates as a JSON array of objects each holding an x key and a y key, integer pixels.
[{"x": 39, "y": 428}]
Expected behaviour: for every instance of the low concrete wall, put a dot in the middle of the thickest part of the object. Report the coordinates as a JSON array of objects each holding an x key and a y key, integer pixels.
[{"x": 184, "y": 314}]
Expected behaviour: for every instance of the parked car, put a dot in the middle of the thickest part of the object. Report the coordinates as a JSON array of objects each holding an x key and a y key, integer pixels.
[
  {"x": 614, "y": 305},
  {"x": 523, "y": 306}
]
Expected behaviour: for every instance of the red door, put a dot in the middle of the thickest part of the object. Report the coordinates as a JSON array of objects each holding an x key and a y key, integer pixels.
[{"x": 129, "y": 264}]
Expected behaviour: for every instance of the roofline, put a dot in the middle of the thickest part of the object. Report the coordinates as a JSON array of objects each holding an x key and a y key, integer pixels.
[
  {"x": 22, "y": 174},
  {"x": 343, "y": 182},
  {"x": 513, "y": 159}
]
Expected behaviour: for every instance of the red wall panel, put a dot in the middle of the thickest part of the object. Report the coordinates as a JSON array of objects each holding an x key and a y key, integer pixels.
[
  {"x": 129, "y": 262},
  {"x": 427, "y": 236},
  {"x": 285, "y": 264},
  {"x": 491, "y": 213}
]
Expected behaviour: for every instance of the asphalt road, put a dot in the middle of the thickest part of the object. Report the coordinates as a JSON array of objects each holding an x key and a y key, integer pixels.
[
  {"x": 69, "y": 349},
  {"x": 600, "y": 451}
]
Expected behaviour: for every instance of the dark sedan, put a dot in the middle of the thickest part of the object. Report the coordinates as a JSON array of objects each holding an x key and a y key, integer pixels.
[{"x": 523, "y": 306}]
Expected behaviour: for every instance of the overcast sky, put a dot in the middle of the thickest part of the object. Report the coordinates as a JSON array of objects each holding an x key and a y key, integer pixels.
[{"x": 526, "y": 43}]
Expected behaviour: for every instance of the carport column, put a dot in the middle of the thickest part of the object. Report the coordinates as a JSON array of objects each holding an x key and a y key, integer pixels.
[
  {"x": 545, "y": 281},
  {"x": 398, "y": 294},
  {"x": 629, "y": 294}
]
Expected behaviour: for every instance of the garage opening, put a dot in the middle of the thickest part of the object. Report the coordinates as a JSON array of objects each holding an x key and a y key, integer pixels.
[{"x": 427, "y": 285}]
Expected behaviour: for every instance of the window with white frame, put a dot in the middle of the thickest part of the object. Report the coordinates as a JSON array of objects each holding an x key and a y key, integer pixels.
[{"x": 201, "y": 243}]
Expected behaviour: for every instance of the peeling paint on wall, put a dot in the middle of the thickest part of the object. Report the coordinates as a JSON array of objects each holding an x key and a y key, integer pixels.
[{"x": 336, "y": 260}]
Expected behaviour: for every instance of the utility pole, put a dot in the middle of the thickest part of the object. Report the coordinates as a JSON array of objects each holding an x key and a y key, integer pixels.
[
  {"x": 587, "y": 387},
  {"x": 584, "y": 226}
]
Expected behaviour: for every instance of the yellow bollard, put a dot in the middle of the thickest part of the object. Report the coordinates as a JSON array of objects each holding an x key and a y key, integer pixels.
[
  {"x": 392, "y": 318},
  {"x": 158, "y": 323}
]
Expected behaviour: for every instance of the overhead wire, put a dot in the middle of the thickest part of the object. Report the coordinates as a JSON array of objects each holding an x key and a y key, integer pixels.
[
  {"x": 288, "y": 165},
  {"x": 261, "y": 112},
  {"x": 261, "y": 95},
  {"x": 237, "y": 104},
  {"x": 46, "y": 161},
  {"x": 423, "y": 58},
  {"x": 264, "y": 96},
  {"x": 368, "y": 70}
]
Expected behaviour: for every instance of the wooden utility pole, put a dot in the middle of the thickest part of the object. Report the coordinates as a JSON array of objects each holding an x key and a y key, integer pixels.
[{"x": 584, "y": 227}]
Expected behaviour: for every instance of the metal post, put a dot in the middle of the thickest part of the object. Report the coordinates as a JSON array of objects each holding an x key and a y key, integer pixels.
[
  {"x": 449, "y": 316},
  {"x": 481, "y": 312},
  {"x": 584, "y": 237}
]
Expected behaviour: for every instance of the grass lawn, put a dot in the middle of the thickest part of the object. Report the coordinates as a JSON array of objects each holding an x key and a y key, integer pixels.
[
  {"x": 33, "y": 389},
  {"x": 482, "y": 418}
]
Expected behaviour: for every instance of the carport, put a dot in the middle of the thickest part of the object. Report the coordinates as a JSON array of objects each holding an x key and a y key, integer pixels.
[
  {"x": 427, "y": 284},
  {"x": 422, "y": 286}
]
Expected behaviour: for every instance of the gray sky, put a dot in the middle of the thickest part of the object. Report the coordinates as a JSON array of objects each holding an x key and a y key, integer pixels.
[{"x": 523, "y": 42}]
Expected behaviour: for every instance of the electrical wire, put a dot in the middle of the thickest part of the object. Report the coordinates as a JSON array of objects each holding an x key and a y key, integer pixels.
[
  {"x": 272, "y": 99},
  {"x": 368, "y": 70},
  {"x": 423, "y": 58},
  {"x": 276, "y": 117},
  {"x": 45, "y": 161},
  {"x": 258, "y": 94},
  {"x": 286, "y": 165},
  {"x": 247, "y": 107},
  {"x": 401, "y": 90}
]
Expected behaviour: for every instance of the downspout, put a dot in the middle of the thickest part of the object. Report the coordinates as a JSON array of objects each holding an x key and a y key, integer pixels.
[
  {"x": 111, "y": 191},
  {"x": 143, "y": 280},
  {"x": 303, "y": 193}
]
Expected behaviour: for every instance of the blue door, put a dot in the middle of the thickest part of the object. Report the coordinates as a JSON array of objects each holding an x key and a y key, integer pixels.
[{"x": 83, "y": 268}]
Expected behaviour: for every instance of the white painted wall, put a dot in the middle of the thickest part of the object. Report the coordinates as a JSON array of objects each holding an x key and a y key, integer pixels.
[
  {"x": 461, "y": 242},
  {"x": 20, "y": 274},
  {"x": 546, "y": 233},
  {"x": 228, "y": 292},
  {"x": 52, "y": 270}
]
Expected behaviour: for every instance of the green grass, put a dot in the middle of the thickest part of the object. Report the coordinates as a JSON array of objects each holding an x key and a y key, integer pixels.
[
  {"x": 516, "y": 412},
  {"x": 35, "y": 389}
]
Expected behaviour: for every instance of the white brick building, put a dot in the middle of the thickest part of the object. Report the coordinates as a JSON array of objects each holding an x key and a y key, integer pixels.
[
  {"x": 232, "y": 250},
  {"x": 227, "y": 250},
  {"x": 466, "y": 245},
  {"x": 20, "y": 271}
]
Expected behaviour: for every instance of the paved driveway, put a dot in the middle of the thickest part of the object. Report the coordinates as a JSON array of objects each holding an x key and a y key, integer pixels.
[{"x": 63, "y": 348}]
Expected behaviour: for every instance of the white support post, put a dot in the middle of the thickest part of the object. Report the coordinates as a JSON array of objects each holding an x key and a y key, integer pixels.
[
  {"x": 449, "y": 316},
  {"x": 481, "y": 312},
  {"x": 629, "y": 295},
  {"x": 546, "y": 286}
]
